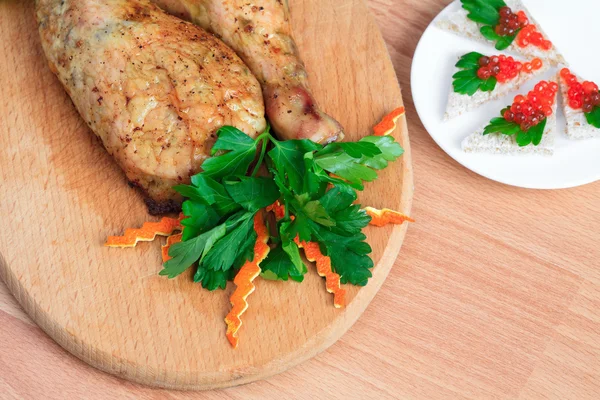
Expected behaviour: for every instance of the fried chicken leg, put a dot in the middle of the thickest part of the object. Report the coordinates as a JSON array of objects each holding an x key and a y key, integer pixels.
[
  {"x": 260, "y": 33},
  {"x": 152, "y": 87}
]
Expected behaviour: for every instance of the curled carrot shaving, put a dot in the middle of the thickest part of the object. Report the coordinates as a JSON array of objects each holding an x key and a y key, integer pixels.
[
  {"x": 388, "y": 123},
  {"x": 386, "y": 216},
  {"x": 171, "y": 240},
  {"x": 313, "y": 253},
  {"x": 277, "y": 209},
  {"x": 146, "y": 233},
  {"x": 244, "y": 281}
]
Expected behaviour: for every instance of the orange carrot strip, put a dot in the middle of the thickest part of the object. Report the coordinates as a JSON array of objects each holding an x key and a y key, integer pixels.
[
  {"x": 244, "y": 281},
  {"x": 278, "y": 210},
  {"x": 312, "y": 251},
  {"x": 171, "y": 240},
  {"x": 388, "y": 123},
  {"x": 386, "y": 216},
  {"x": 146, "y": 233}
]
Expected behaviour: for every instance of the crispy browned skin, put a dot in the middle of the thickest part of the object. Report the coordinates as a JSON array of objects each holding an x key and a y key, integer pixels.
[
  {"x": 260, "y": 33},
  {"x": 153, "y": 88}
]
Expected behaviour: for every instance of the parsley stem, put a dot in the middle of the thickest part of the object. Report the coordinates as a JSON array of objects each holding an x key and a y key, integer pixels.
[{"x": 262, "y": 154}]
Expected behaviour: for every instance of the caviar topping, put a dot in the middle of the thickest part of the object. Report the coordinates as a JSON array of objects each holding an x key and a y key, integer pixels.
[
  {"x": 479, "y": 72},
  {"x": 582, "y": 96},
  {"x": 531, "y": 110},
  {"x": 510, "y": 23},
  {"x": 505, "y": 68},
  {"x": 529, "y": 36},
  {"x": 526, "y": 118},
  {"x": 502, "y": 26}
]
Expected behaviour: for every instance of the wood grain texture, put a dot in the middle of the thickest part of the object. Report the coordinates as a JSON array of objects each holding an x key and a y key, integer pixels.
[
  {"x": 64, "y": 195},
  {"x": 495, "y": 295}
]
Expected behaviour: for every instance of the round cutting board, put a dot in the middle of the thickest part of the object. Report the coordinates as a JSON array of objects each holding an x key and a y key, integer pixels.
[{"x": 61, "y": 195}]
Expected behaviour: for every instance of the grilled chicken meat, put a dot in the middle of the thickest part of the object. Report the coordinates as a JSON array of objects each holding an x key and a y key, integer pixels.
[
  {"x": 260, "y": 33},
  {"x": 152, "y": 87}
]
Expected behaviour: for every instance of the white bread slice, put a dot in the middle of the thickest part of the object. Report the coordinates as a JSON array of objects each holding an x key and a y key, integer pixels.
[
  {"x": 577, "y": 125},
  {"x": 459, "y": 23},
  {"x": 459, "y": 104},
  {"x": 498, "y": 143}
]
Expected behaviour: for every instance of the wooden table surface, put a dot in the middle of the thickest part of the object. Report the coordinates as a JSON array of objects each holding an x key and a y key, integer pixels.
[{"x": 496, "y": 293}]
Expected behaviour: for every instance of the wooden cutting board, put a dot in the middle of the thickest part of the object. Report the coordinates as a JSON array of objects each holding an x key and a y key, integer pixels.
[{"x": 61, "y": 195}]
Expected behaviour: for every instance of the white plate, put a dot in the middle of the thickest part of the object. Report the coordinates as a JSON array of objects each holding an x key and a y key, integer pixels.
[{"x": 574, "y": 163}]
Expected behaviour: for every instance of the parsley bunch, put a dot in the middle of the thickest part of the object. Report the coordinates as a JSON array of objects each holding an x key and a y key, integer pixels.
[
  {"x": 487, "y": 13},
  {"x": 317, "y": 185}
]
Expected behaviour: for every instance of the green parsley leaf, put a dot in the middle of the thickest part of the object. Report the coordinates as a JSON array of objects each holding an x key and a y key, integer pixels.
[
  {"x": 240, "y": 153},
  {"x": 212, "y": 280},
  {"x": 349, "y": 255},
  {"x": 300, "y": 227},
  {"x": 252, "y": 193},
  {"x": 484, "y": 11},
  {"x": 316, "y": 212},
  {"x": 199, "y": 218},
  {"x": 348, "y": 217},
  {"x": 291, "y": 249},
  {"x": 210, "y": 192},
  {"x": 305, "y": 211},
  {"x": 338, "y": 198},
  {"x": 360, "y": 149},
  {"x": 230, "y": 246},
  {"x": 533, "y": 135},
  {"x": 288, "y": 159},
  {"x": 390, "y": 151},
  {"x": 314, "y": 184},
  {"x": 346, "y": 167},
  {"x": 464, "y": 84},
  {"x": 184, "y": 254},
  {"x": 466, "y": 81},
  {"x": 246, "y": 252},
  {"x": 523, "y": 139},
  {"x": 231, "y": 138},
  {"x": 279, "y": 266},
  {"x": 500, "y": 125},
  {"x": 537, "y": 132},
  {"x": 502, "y": 42},
  {"x": 469, "y": 61},
  {"x": 489, "y": 84},
  {"x": 593, "y": 118}
]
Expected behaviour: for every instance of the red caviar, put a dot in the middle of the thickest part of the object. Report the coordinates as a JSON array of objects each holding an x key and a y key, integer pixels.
[
  {"x": 504, "y": 68},
  {"x": 529, "y": 35},
  {"x": 510, "y": 22},
  {"x": 529, "y": 111},
  {"x": 584, "y": 96}
]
